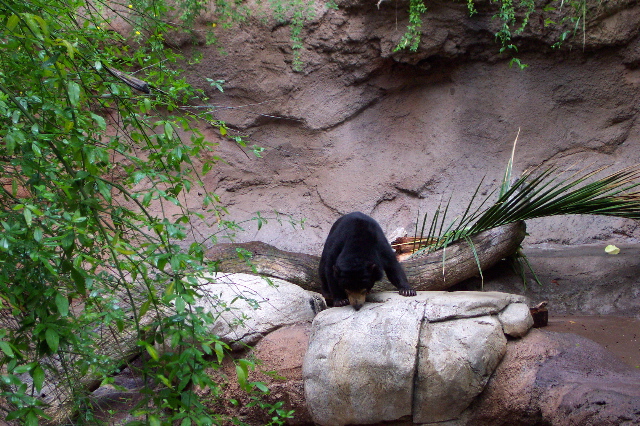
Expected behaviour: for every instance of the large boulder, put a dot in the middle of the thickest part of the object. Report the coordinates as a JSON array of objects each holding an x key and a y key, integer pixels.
[
  {"x": 360, "y": 366},
  {"x": 248, "y": 306},
  {"x": 559, "y": 379},
  {"x": 427, "y": 357},
  {"x": 455, "y": 360}
]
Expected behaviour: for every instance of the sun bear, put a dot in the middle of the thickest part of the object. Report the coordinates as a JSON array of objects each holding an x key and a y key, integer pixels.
[{"x": 354, "y": 256}]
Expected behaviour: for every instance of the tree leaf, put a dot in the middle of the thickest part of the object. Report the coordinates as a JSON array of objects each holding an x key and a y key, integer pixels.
[
  {"x": 38, "y": 377},
  {"x": 219, "y": 350},
  {"x": 28, "y": 217},
  {"x": 62, "y": 303},
  {"x": 33, "y": 25},
  {"x": 241, "y": 373},
  {"x": 153, "y": 353},
  {"x": 43, "y": 25},
  {"x": 102, "y": 124},
  {"x": 37, "y": 234},
  {"x": 180, "y": 304},
  {"x": 164, "y": 380},
  {"x": 145, "y": 307},
  {"x": 168, "y": 130},
  {"x": 53, "y": 339},
  {"x": 73, "y": 89},
  {"x": 261, "y": 387},
  {"x": 611, "y": 249},
  {"x": 12, "y": 22},
  {"x": 78, "y": 279},
  {"x": 6, "y": 348}
]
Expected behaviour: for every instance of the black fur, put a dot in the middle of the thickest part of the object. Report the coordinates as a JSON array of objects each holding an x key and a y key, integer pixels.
[{"x": 354, "y": 257}]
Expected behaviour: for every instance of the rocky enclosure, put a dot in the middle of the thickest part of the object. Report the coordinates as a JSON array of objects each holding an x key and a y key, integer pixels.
[{"x": 394, "y": 134}]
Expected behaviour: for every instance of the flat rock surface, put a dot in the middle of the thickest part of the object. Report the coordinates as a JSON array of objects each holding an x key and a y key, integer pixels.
[
  {"x": 443, "y": 305},
  {"x": 578, "y": 280},
  {"x": 619, "y": 335}
]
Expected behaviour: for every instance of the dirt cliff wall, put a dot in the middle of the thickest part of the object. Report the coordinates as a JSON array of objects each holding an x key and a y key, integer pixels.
[{"x": 392, "y": 134}]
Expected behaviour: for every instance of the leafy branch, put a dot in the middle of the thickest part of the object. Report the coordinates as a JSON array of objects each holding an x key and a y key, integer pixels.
[{"x": 98, "y": 144}]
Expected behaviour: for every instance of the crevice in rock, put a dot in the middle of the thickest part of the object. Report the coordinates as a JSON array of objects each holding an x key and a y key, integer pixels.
[
  {"x": 416, "y": 365},
  {"x": 324, "y": 203},
  {"x": 457, "y": 317}
]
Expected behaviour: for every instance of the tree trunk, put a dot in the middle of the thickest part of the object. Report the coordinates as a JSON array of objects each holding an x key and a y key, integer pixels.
[{"x": 435, "y": 271}]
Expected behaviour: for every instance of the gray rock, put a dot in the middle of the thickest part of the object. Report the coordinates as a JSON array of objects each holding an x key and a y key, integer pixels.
[
  {"x": 443, "y": 305},
  {"x": 455, "y": 360},
  {"x": 249, "y": 306},
  {"x": 516, "y": 319},
  {"x": 582, "y": 280},
  {"x": 359, "y": 367},
  {"x": 427, "y": 356}
]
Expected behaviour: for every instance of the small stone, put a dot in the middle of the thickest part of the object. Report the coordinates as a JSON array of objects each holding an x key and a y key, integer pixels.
[{"x": 516, "y": 320}]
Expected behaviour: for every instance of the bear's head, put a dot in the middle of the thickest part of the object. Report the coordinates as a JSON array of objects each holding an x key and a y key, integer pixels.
[{"x": 357, "y": 281}]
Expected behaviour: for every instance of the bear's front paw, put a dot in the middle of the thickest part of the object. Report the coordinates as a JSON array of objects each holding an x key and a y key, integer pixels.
[
  {"x": 407, "y": 292},
  {"x": 338, "y": 303}
]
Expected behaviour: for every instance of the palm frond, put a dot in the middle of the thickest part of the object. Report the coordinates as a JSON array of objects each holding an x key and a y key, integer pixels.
[{"x": 541, "y": 193}]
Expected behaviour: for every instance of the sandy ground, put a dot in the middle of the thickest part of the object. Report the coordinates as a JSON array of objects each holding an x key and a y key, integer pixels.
[{"x": 620, "y": 335}]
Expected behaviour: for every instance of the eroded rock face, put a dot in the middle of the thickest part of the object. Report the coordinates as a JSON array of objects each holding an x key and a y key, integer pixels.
[
  {"x": 427, "y": 357},
  {"x": 363, "y": 128},
  {"x": 392, "y": 133}
]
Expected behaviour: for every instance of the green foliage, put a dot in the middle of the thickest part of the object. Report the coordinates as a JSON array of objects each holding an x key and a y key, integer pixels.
[
  {"x": 576, "y": 20},
  {"x": 98, "y": 150},
  {"x": 537, "y": 193},
  {"x": 513, "y": 15},
  {"x": 295, "y": 13},
  {"x": 507, "y": 15},
  {"x": 411, "y": 38}
]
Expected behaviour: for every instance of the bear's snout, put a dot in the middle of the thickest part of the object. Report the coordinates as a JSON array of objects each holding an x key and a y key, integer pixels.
[{"x": 357, "y": 298}]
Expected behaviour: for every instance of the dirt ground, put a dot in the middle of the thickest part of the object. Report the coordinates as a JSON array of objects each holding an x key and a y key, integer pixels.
[{"x": 619, "y": 335}]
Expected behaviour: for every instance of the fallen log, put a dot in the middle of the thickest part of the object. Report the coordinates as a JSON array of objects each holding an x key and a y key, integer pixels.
[
  {"x": 455, "y": 263},
  {"x": 434, "y": 271}
]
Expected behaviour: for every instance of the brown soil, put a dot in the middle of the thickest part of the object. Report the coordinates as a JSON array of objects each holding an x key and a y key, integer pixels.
[{"x": 619, "y": 335}]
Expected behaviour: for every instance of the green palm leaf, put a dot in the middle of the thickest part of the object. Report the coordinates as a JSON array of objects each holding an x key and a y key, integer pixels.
[{"x": 542, "y": 193}]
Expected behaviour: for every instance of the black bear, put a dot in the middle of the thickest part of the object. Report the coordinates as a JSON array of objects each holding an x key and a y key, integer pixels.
[{"x": 354, "y": 256}]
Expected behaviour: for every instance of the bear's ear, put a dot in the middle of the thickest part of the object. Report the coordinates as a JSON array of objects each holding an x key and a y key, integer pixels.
[{"x": 336, "y": 271}]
